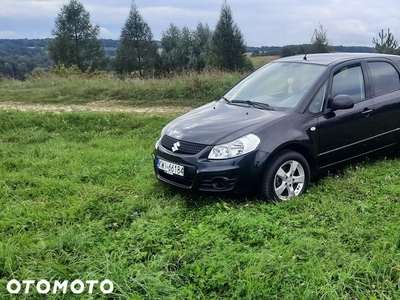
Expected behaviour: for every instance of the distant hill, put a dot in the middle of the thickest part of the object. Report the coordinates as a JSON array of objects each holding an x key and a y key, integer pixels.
[
  {"x": 362, "y": 49},
  {"x": 20, "y": 56},
  {"x": 275, "y": 49}
]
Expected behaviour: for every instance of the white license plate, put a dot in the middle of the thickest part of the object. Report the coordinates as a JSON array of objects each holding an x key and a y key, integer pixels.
[{"x": 170, "y": 168}]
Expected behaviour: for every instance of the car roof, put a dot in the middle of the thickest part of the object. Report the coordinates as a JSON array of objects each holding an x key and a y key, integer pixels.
[{"x": 335, "y": 57}]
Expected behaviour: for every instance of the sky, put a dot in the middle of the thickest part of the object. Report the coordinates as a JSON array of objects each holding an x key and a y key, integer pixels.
[{"x": 262, "y": 22}]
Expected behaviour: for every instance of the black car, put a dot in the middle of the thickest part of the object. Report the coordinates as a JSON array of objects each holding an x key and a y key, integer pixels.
[{"x": 284, "y": 124}]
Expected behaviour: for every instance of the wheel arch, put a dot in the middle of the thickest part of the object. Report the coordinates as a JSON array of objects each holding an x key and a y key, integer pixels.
[{"x": 305, "y": 151}]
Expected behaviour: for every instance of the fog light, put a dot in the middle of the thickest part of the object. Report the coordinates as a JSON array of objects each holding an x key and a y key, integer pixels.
[{"x": 220, "y": 183}]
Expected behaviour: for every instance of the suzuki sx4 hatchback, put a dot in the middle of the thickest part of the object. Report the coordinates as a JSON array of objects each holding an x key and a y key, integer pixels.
[{"x": 283, "y": 124}]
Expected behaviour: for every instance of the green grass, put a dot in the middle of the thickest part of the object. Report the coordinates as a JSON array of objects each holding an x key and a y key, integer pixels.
[
  {"x": 259, "y": 61},
  {"x": 187, "y": 90},
  {"x": 79, "y": 200}
]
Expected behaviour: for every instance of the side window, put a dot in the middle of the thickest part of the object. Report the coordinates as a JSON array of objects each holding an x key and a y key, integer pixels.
[
  {"x": 385, "y": 78},
  {"x": 349, "y": 81},
  {"x": 317, "y": 103}
]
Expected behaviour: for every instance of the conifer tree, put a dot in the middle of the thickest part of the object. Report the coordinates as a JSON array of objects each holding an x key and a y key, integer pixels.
[
  {"x": 75, "y": 39},
  {"x": 136, "y": 50},
  {"x": 386, "y": 43},
  {"x": 228, "y": 48},
  {"x": 320, "y": 42}
]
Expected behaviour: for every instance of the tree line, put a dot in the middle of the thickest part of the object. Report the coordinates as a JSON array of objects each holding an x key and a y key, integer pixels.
[
  {"x": 19, "y": 57},
  {"x": 75, "y": 42}
]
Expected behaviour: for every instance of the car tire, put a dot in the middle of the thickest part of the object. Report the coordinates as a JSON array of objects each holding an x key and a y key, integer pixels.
[{"x": 286, "y": 176}]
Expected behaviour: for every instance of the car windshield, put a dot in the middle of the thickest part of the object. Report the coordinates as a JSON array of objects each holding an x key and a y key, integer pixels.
[{"x": 281, "y": 85}]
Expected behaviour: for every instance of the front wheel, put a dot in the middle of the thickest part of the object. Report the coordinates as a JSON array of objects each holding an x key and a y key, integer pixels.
[{"x": 287, "y": 176}]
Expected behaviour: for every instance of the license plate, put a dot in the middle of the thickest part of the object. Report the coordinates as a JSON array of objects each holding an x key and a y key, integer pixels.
[{"x": 170, "y": 168}]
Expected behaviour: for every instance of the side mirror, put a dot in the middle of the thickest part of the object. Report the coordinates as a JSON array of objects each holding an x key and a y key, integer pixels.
[{"x": 342, "y": 102}]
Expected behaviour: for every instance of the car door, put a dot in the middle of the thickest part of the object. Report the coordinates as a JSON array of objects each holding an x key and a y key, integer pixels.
[
  {"x": 385, "y": 85},
  {"x": 345, "y": 134}
]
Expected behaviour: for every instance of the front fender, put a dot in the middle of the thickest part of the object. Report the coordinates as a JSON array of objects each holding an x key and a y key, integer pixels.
[{"x": 298, "y": 133}]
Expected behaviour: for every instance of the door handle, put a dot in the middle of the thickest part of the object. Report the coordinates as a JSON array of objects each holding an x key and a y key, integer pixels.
[{"x": 366, "y": 112}]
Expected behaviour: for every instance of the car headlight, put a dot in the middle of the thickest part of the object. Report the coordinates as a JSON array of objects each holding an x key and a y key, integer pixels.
[{"x": 235, "y": 148}]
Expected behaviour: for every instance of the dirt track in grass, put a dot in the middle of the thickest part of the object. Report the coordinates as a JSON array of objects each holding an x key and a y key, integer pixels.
[{"x": 99, "y": 106}]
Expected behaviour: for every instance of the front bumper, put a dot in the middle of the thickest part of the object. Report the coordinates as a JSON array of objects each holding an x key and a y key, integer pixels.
[{"x": 240, "y": 174}]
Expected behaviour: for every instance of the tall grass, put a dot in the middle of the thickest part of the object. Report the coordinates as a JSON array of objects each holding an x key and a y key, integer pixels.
[
  {"x": 79, "y": 200},
  {"x": 191, "y": 89}
]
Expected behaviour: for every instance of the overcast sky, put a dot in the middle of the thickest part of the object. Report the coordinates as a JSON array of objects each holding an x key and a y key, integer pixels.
[{"x": 262, "y": 22}]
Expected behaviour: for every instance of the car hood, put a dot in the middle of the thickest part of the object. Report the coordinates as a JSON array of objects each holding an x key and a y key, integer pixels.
[{"x": 219, "y": 122}]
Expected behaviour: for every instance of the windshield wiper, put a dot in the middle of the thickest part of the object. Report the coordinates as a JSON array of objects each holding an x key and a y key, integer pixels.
[
  {"x": 226, "y": 99},
  {"x": 259, "y": 105}
]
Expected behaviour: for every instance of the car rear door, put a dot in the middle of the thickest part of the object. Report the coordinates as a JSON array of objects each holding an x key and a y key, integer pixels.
[
  {"x": 347, "y": 133},
  {"x": 385, "y": 88}
]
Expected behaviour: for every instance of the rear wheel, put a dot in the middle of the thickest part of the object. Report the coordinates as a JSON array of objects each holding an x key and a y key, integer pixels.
[{"x": 287, "y": 176}]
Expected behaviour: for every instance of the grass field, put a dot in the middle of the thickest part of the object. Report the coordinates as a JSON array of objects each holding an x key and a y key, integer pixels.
[
  {"x": 259, "y": 61},
  {"x": 79, "y": 200},
  {"x": 70, "y": 86},
  {"x": 191, "y": 89}
]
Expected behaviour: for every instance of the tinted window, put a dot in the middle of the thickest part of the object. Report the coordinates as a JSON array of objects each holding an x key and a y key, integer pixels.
[
  {"x": 349, "y": 81},
  {"x": 384, "y": 77}
]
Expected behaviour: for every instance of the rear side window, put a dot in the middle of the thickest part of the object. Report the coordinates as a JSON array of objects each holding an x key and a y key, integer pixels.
[{"x": 385, "y": 78}]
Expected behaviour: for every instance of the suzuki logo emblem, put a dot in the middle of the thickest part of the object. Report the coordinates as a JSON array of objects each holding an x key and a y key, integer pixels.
[{"x": 176, "y": 147}]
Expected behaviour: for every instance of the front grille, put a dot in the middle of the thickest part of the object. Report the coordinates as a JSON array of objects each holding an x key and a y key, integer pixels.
[{"x": 184, "y": 147}]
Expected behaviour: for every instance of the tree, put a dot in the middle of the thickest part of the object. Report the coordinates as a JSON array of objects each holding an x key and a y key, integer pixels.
[
  {"x": 320, "y": 42},
  {"x": 136, "y": 51},
  {"x": 228, "y": 48},
  {"x": 178, "y": 50},
  {"x": 8, "y": 70},
  {"x": 186, "y": 53},
  {"x": 75, "y": 39},
  {"x": 386, "y": 43},
  {"x": 185, "y": 49},
  {"x": 22, "y": 70},
  {"x": 202, "y": 45},
  {"x": 170, "y": 55},
  {"x": 290, "y": 50}
]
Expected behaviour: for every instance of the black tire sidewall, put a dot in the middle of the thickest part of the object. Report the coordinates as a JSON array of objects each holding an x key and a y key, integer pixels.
[{"x": 267, "y": 187}]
